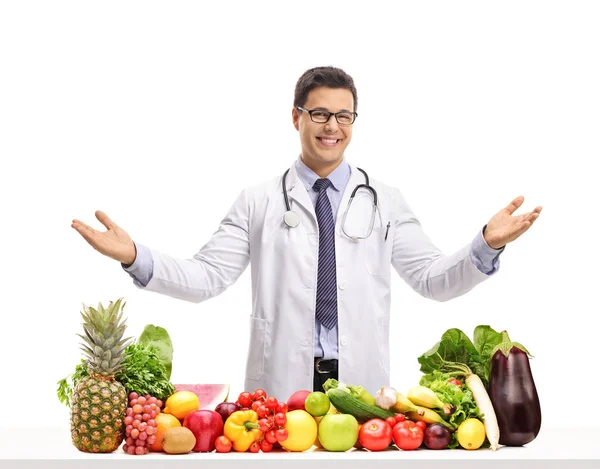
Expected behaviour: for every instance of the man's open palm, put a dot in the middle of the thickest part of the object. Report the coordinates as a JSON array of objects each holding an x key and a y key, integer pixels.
[
  {"x": 114, "y": 242},
  {"x": 505, "y": 227}
]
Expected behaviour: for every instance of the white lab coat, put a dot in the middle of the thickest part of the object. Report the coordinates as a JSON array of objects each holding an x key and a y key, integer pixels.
[{"x": 284, "y": 280}]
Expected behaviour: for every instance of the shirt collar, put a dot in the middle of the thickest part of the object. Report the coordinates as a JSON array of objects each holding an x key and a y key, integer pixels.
[{"x": 338, "y": 177}]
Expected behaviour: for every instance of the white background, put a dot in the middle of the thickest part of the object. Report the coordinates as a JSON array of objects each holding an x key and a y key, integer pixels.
[{"x": 160, "y": 113}]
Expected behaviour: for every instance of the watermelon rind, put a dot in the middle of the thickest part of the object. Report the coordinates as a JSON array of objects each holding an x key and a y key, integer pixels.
[{"x": 209, "y": 395}]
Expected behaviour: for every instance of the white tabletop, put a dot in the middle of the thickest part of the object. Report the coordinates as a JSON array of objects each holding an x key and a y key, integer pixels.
[{"x": 52, "y": 448}]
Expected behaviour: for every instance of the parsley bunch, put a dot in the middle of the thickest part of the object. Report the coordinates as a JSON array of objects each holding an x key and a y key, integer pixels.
[{"x": 143, "y": 372}]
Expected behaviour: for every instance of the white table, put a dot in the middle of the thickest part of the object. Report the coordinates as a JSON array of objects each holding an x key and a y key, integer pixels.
[{"x": 52, "y": 448}]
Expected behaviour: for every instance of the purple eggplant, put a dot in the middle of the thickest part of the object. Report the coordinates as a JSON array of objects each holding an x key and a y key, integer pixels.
[{"x": 513, "y": 394}]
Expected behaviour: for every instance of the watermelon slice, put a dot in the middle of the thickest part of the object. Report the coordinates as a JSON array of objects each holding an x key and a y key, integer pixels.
[{"x": 210, "y": 395}]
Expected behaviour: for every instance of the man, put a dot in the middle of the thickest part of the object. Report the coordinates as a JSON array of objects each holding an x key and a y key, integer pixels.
[{"x": 320, "y": 267}]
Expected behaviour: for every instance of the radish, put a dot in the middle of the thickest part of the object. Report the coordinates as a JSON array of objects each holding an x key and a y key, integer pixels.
[{"x": 482, "y": 399}]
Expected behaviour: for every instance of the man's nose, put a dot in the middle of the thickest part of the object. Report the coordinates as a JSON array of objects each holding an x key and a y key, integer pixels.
[{"x": 332, "y": 124}]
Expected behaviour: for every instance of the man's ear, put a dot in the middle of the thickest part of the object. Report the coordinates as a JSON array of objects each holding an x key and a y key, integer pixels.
[{"x": 296, "y": 118}]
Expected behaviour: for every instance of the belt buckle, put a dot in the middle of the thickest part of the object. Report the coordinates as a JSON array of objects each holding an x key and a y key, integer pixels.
[{"x": 317, "y": 363}]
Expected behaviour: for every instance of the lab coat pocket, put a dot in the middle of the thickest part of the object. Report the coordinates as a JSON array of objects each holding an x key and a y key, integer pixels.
[
  {"x": 378, "y": 251},
  {"x": 255, "y": 365}
]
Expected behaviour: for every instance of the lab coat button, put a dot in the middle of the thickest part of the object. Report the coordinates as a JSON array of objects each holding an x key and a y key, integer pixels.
[
  {"x": 342, "y": 285},
  {"x": 344, "y": 341}
]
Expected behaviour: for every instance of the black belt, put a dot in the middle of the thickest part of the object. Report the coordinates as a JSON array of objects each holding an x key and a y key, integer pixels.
[{"x": 326, "y": 366}]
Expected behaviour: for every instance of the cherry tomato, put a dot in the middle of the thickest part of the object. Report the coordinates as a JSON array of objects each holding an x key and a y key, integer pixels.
[
  {"x": 271, "y": 403},
  {"x": 222, "y": 444},
  {"x": 422, "y": 425},
  {"x": 280, "y": 420},
  {"x": 375, "y": 435},
  {"x": 271, "y": 437},
  {"x": 245, "y": 399},
  {"x": 391, "y": 421},
  {"x": 265, "y": 446},
  {"x": 455, "y": 381},
  {"x": 399, "y": 417},
  {"x": 281, "y": 408},
  {"x": 254, "y": 447},
  {"x": 256, "y": 405},
  {"x": 264, "y": 425},
  {"x": 262, "y": 412},
  {"x": 281, "y": 434},
  {"x": 407, "y": 435},
  {"x": 259, "y": 394}
]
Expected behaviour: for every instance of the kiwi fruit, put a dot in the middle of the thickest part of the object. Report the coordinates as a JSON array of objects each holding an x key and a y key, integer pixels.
[{"x": 178, "y": 440}]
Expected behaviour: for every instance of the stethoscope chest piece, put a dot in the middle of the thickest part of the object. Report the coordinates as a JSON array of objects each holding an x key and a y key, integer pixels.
[{"x": 291, "y": 219}]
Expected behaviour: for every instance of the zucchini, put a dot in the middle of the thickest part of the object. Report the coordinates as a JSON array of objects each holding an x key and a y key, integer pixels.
[{"x": 347, "y": 404}]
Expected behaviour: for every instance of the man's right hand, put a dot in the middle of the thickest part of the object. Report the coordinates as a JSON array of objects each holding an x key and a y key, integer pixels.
[{"x": 114, "y": 242}]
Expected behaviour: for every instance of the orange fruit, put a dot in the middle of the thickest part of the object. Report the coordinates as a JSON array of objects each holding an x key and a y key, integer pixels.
[
  {"x": 181, "y": 403},
  {"x": 163, "y": 421}
]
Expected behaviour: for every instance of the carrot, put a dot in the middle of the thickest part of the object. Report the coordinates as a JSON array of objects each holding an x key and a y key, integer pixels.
[{"x": 482, "y": 399}]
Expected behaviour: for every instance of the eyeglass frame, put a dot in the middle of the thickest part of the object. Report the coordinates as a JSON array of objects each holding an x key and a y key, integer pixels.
[{"x": 310, "y": 113}]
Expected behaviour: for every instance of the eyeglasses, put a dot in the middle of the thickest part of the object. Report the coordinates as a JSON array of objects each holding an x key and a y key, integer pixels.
[{"x": 321, "y": 117}]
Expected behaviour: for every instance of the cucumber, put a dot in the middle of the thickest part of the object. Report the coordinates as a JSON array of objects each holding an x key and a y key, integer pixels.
[{"x": 347, "y": 404}]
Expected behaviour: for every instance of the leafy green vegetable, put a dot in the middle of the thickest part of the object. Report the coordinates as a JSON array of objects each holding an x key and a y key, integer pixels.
[
  {"x": 456, "y": 347},
  {"x": 65, "y": 390},
  {"x": 143, "y": 372},
  {"x": 159, "y": 338},
  {"x": 461, "y": 398},
  {"x": 486, "y": 339}
]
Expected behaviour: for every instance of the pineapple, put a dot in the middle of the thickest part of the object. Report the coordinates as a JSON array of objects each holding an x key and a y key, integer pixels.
[{"x": 99, "y": 402}]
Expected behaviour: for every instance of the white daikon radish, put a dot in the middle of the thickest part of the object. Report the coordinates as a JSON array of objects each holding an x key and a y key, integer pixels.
[{"x": 482, "y": 399}]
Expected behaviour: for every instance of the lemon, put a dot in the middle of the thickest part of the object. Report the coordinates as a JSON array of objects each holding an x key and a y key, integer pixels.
[
  {"x": 302, "y": 431},
  {"x": 181, "y": 403},
  {"x": 471, "y": 434}
]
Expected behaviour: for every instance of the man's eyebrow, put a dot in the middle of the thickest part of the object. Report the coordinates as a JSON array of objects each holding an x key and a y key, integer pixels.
[{"x": 325, "y": 109}]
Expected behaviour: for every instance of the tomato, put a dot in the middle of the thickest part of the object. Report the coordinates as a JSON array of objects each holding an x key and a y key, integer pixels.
[
  {"x": 256, "y": 405},
  {"x": 455, "y": 382},
  {"x": 399, "y": 417},
  {"x": 407, "y": 435},
  {"x": 222, "y": 444},
  {"x": 391, "y": 421},
  {"x": 254, "y": 447},
  {"x": 281, "y": 408},
  {"x": 280, "y": 419},
  {"x": 266, "y": 447},
  {"x": 422, "y": 425},
  {"x": 245, "y": 399},
  {"x": 375, "y": 435},
  {"x": 271, "y": 403},
  {"x": 259, "y": 394},
  {"x": 271, "y": 437}
]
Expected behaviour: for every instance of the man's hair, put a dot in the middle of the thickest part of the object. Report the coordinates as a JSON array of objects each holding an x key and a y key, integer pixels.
[{"x": 330, "y": 77}]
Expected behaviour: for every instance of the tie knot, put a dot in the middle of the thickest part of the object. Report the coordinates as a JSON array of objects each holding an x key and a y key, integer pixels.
[{"x": 321, "y": 184}]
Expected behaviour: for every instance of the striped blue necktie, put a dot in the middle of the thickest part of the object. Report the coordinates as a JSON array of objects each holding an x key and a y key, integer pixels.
[{"x": 326, "y": 276}]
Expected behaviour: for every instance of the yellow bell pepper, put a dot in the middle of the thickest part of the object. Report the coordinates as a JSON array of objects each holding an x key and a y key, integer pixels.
[{"x": 242, "y": 429}]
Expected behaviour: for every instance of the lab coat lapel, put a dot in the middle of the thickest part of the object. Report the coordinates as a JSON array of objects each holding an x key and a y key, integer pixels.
[
  {"x": 356, "y": 178},
  {"x": 297, "y": 193}
]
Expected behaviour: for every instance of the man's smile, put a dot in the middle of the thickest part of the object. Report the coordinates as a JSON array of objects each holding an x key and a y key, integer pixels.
[{"x": 329, "y": 142}]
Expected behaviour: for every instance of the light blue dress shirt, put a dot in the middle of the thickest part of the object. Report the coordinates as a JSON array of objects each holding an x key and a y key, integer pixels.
[{"x": 485, "y": 258}]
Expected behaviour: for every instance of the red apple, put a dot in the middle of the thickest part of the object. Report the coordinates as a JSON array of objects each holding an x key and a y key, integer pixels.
[
  {"x": 207, "y": 426},
  {"x": 297, "y": 400}
]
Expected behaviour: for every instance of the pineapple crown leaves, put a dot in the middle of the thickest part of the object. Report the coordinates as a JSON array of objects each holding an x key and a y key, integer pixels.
[{"x": 103, "y": 342}]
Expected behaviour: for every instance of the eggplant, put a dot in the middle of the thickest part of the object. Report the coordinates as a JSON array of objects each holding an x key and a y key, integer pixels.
[{"x": 513, "y": 394}]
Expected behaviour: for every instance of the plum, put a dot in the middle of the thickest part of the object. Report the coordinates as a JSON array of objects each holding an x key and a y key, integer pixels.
[
  {"x": 437, "y": 436},
  {"x": 225, "y": 409}
]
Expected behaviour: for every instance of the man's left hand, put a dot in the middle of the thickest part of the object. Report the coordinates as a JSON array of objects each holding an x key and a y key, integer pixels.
[{"x": 504, "y": 227}]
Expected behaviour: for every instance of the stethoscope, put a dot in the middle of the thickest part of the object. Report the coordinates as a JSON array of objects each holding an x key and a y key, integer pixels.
[{"x": 292, "y": 219}]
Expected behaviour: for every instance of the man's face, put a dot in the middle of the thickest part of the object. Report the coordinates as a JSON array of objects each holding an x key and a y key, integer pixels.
[{"x": 323, "y": 145}]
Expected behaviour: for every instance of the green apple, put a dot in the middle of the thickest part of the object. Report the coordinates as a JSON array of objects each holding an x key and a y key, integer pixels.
[{"x": 338, "y": 432}]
